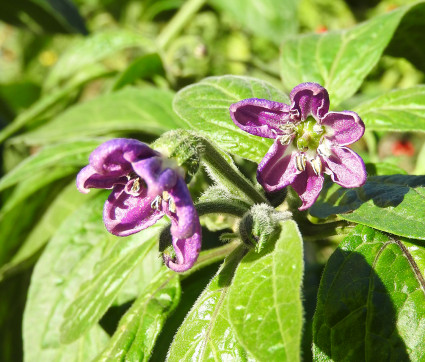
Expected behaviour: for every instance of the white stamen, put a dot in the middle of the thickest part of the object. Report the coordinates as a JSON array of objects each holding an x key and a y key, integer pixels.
[
  {"x": 155, "y": 203},
  {"x": 166, "y": 196},
  {"x": 285, "y": 140},
  {"x": 300, "y": 161},
  {"x": 171, "y": 205},
  {"x": 317, "y": 165}
]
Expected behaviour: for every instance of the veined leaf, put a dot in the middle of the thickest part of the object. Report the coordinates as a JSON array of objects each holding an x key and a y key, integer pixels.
[
  {"x": 272, "y": 19},
  {"x": 97, "y": 294},
  {"x": 52, "y": 157},
  {"x": 206, "y": 333},
  {"x": 340, "y": 60},
  {"x": 62, "y": 206},
  {"x": 51, "y": 101},
  {"x": 139, "y": 327},
  {"x": 67, "y": 262},
  {"x": 401, "y": 110},
  {"x": 90, "y": 50},
  {"x": 145, "y": 110},
  {"x": 264, "y": 303},
  {"x": 371, "y": 302},
  {"x": 204, "y": 107},
  {"x": 394, "y": 203}
]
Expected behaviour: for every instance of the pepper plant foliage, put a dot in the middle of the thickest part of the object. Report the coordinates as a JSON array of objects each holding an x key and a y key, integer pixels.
[{"x": 264, "y": 171}]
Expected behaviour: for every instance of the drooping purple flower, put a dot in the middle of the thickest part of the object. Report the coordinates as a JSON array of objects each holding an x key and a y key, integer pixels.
[
  {"x": 309, "y": 141},
  {"x": 145, "y": 187}
]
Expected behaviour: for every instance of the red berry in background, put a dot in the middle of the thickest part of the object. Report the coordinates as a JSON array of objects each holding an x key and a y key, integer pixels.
[{"x": 403, "y": 148}]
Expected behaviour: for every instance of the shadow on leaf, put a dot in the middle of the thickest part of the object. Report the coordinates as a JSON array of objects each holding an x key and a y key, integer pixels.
[
  {"x": 382, "y": 191},
  {"x": 355, "y": 318}
]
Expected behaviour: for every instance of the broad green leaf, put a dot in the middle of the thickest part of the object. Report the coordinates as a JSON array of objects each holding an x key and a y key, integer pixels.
[
  {"x": 264, "y": 302},
  {"x": 340, "y": 60},
  {"x": 51, "y": 16},
  {"x": 56, "y": 157},
  {"x": 138, "y": 329},
  {"x": 394, "y": 203},
  {"x": 59, "y": 208},
  {"x": 206, "y": 333},
  {"x": 96, "y": 295},
  {"x": 271, "y": 19},
  {"x": 147, "y": 66},
  {"x": 18, "y": 222},
  {"x": 90, "y": 50},
  {"x": 67, "y": 262},
  {"x": 371, "y": 302},
  {"x": 401, "y": 110},
  {"x": 145, "y": 110},
  {"x": 46, "y": 105},
  {"x": 383, "y": 168},
  {"x": 204, "y": 107},
  {"x": 33, "y": 183}
]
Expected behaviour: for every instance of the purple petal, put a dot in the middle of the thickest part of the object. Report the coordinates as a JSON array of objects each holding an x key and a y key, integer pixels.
[
  {"x": 88, "y": 178},
  {"x": 278, "y": 168},
  {"x": 156, "y": 178},
  {"x": 347, "y": 127},
  {"x": 125, "y": 214},
  {"x": 114, "y": 157},
  {"x": 308, "y": 186},
  {"x": 185, "y": 217},
  {"x": 187, "y": 251},
  {"x": 260, "y": 117},
  {"x": 309, "y": 99},
  {"x": 345, "y": 167}
]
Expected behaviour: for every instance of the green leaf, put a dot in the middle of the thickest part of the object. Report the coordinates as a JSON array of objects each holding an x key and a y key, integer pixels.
[
  {"x": 371, "y": 302},
  {"x": 52, "y": 16},
  {"x": 67, "y": 262},
  {"x": 204, "y": 107},
  {"x": 401, "y": 110},
  {"x": 97, "y": 294},
  {"x": 393, "y": 203},
  {"x": 63, "y": 205},
  {"x": 271, "y": 19},
  {"x": 206, "y": 333},
  {"x": 146, "y": 66},
  {"x": 145, "y": 110},
  {"x": 45, "y": 106},
  {"x": 264, "y": 302},
  {"x": 92, "y": 49},
  {"x": 138, "y": 329},
  {"x": 340, "y": 60},
  {"x": 55, "y": 158}
]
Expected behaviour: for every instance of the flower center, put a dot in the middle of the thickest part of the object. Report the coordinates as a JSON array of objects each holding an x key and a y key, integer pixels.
[{"x": 308, "y": 134}]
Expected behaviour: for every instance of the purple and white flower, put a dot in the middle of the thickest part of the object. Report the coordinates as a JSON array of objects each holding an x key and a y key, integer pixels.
[
  {"x": 145, "y": 187},
  {"x": 309, "y": 141}
]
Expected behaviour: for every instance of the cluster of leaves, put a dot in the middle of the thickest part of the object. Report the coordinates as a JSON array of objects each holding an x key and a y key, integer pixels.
[{"x": 73, "y": 76}]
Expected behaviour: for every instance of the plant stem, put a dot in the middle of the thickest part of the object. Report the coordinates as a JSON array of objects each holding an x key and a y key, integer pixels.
[
  {"x": 216, "y": 161},
  {"x": 177, "y": 23},
  {"x": 234, "y": 209}
]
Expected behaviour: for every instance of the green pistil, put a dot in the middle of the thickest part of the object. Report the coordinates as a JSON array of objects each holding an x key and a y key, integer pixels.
[{"x": 308, "y": 134}]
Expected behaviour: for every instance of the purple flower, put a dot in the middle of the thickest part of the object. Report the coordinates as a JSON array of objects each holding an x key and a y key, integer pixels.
[
  {"x": 309, "y": 141},
  {"x": 145, "y": 187}
]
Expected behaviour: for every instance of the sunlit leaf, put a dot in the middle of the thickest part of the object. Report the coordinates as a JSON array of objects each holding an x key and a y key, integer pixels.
[
  {"x": 97, "y": 294},
  {"x": 400, "y": 110},
  {"x": 139, "y": 327},
  {"x": 146, "y": 110},
  {"x": 394, "y": 203},
  {"x": 264, "y": 302},
  {"x": 340, "y": 60},
  {"x": 206, "y": 333},
  {"x": 204, "y": 106},
  {"x": 66, "y": 263}
]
